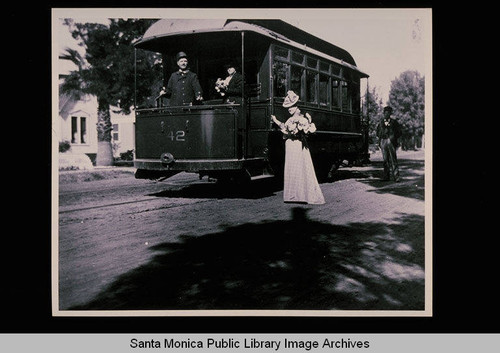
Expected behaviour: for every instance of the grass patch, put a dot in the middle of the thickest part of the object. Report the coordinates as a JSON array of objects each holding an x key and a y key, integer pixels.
[{"x": 85, "y": 176}]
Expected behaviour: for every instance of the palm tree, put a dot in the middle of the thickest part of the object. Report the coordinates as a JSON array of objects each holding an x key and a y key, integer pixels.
[{"x": 106, "y": 70}]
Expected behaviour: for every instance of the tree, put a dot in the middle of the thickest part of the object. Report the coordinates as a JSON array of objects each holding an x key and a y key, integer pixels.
[
  {"x": 372, "y": 112},
  {"x": 107, "y": 71},
  {"x": 407, "y": 97}
]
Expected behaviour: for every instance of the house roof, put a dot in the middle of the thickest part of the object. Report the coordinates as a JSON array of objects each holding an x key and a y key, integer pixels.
[{"x": 66, "y": 103}]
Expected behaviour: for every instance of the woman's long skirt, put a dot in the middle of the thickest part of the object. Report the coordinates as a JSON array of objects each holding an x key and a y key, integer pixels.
[{"x": 300, "y": 182}]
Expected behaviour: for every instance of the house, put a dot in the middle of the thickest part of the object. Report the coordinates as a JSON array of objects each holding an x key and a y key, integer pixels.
[{"x": 77, "y": 119}]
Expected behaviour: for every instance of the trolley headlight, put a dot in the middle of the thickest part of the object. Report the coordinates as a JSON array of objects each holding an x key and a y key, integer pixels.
[{"x": 167, "y": 158}]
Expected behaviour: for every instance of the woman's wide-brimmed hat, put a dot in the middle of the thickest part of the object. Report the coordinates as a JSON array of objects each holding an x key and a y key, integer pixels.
[{"x": 291, "y": 99}]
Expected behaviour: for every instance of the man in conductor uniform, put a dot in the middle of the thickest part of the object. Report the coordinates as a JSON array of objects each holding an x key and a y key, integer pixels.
[
  {"x": 183, "y": 87},
  {"x": 388, "y": 133}
]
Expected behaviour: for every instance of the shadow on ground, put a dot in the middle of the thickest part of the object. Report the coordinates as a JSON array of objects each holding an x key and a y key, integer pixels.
[
  {"x": 283, "y": 265},
  {"x": 254, "y": 190},
  {"x": 412, "y": 182}
]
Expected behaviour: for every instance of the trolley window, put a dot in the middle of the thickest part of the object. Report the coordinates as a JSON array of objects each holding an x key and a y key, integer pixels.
[
  {"x": 312, "y": 63},
  {"x": 311, "y": 96},
  {"x": 336, "y": 70},
  {"x": 323, "y": 90},
  {"x": 324, "y": 67},
  {"x": 318, "y": 83},
  {"x": 280, "y": 74},
  {"x": 296, "y": 80},
  {"x": 281, "y": 53},
  {"x": 297, "y": 58},
  {"x": 335, "y": 94},
  {"x": 346, "y": 97},
  {"x": 355, "y": 97}
]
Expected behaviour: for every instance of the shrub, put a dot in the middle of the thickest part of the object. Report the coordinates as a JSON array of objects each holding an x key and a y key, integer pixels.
[
  {"x": 64, "y": 146},
  {"x": 127, "y": 156}
]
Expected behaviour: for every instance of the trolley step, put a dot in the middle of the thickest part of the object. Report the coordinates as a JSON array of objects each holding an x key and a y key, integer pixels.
[
  {"x": 265, "y": 173},
  {"x": 263, "y": 176}
]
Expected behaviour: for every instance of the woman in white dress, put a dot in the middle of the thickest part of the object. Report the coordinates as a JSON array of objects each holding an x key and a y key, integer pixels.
[{"x": 300, "y": 182}]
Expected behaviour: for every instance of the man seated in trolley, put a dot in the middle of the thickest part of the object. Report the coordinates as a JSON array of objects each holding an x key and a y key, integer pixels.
[{"x": 203, "y": 132}]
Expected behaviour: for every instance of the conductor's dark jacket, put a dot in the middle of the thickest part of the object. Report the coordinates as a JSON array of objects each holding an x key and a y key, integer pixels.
[{"x": 182, "y": 88}]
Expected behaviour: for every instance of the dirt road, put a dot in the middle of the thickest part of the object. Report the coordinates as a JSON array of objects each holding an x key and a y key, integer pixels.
[{"x": 189, "y": 244}]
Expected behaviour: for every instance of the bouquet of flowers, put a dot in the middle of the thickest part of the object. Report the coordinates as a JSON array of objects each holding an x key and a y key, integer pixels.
[
  {"x": 221, "y": 85},
  {"x": 298, "y": 127}
]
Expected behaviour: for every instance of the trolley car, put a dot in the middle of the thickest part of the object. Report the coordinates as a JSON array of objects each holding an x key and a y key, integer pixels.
[{"x": 238, "y": 140}]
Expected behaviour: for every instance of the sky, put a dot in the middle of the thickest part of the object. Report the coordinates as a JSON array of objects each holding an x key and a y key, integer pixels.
[{"x": 383, "y": 42}]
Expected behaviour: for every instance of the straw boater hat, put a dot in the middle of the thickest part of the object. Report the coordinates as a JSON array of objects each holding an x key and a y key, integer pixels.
[{"x": 291, "y": 99}]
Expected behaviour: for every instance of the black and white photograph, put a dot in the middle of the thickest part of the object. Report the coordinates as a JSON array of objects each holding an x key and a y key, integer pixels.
[{"x": 250, "y": 162}]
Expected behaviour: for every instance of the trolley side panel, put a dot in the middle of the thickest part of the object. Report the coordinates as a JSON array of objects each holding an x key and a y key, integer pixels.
[{"x": 194, "y": 135}]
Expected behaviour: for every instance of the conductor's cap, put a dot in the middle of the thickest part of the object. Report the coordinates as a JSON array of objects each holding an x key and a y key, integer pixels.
[{"x": 180, "y": 55}]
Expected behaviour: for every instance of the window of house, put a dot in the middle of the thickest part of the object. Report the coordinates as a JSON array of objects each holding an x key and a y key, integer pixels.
[
  {"x": 83, "y": 130},
  {"x": 78, "y": 130},
  {"x": 115, "y": 133},
  {"x": 74, "y": 129}
]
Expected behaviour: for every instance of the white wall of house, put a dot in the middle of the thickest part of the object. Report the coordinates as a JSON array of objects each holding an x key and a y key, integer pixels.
[
  {"x": 123, "y": 133},
  {"x": 77, "y": 124}
]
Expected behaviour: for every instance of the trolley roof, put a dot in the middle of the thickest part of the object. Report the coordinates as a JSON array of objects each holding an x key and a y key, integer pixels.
[{"x": 275, "y": 29}]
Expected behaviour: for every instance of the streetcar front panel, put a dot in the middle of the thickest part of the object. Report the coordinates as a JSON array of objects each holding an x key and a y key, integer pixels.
[{"x": 185, "y": 139}]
